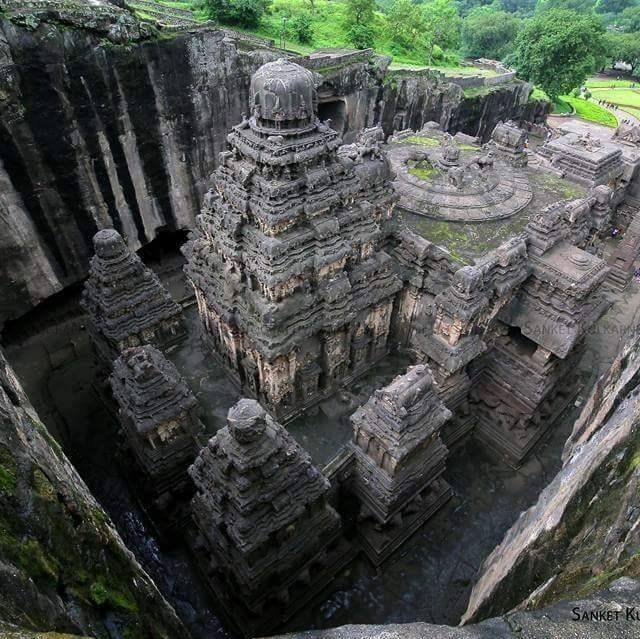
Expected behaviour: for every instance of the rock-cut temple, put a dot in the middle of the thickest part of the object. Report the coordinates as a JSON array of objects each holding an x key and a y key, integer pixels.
[
  {"x": 482, "y": 265},
  {"x": 294, "y": 286}
]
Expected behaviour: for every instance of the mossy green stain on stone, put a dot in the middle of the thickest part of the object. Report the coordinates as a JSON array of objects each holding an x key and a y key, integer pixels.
[
  {"x": 418, "y": 139},
  {"x": 8, "y": 472},
  {"x": 424, "y": 173},
  {"x": 43, "y": 486},
  {"x": 8, "y": 481},
  {"x": 103, "y": 595},
  {"x": 28, "y": 555}
]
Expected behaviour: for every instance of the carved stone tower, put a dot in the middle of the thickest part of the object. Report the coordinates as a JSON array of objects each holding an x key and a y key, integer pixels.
[
  {"x": 294, "y": 288},
  {"x": 400, "y": 458},
  {"x": 159, "y": 416},
  {"x": 126, "y": 303},
  {"x": 268, "y": 538}
]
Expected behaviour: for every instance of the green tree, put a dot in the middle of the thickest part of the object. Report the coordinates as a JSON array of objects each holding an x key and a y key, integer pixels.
[
  {"x": 579, "y": 6},
  {"x": 522, "y": 7},
  {"x": 614, "y": 6},
  {"x": 558, "y": 49},
  {"x": 405, "y": 25},
  {"x": 489, "y": 32},
  {"x": 624, "y": 47},
  {"x": 360, "y": 17},
  {"x": 442, "y": 26},
  {"x": 629, "y": 19},
  {"x": 244, "y": 13},
  {"x": 302, "y": 28}
]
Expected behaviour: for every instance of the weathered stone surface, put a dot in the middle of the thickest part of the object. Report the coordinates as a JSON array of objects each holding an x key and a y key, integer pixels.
[
  {"x": 502, "y": 331},
  {"x": 95, "y": 136},
  {"x": 294, "y": 288},
  {"x": 585, "y": 159},
  {"x": 267, "y": 536},
  {"x": 63, "y": 566},
  {"x": 583, "y": 531},
  {"x": 159, "y": 415},
  {"x": 399, "y": 460},
  {"x": 435, "y": 181},
  {"x": 125, "y": 301}
]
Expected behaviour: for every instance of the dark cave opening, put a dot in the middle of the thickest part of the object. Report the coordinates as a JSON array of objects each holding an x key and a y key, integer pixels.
[{"x": 336, "y": 111}]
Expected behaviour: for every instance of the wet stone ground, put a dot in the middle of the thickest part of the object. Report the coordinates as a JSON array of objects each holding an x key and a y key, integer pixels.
[{"x": 428, "y": 580}]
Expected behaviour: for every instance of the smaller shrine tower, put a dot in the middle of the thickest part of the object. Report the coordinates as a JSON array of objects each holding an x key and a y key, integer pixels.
[
  {"x": 159, "y": 417},
  {"x": 400, "y": 459},
  {"x": 268, "y": 537},
  {"x": 126, "y": 303}
]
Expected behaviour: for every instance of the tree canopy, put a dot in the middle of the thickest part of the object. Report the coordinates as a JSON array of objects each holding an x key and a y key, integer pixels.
[
  {"x": 557, "y": 50},
  {"x": 624, "y": 47},
  {"x": 629, "y": 19},
  {"x": 489, "y": 32},
  {"x": 245, "y": 13},
  {"x": 405, "y": 24},
  {"x": 359, "y": 22},
  {"x": 442, "y": 26},
  {"x": 579, "y": 6}
]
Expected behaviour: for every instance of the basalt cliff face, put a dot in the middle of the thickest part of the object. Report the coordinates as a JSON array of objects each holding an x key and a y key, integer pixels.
[
  {"x": 63, "y": 566},
  {"x": 96, "y": 133},
  {"x": 584, "y": 530}
]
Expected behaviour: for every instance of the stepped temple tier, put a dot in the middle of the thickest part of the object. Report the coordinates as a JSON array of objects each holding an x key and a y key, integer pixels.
[
  {"x": 125, "y": 301},
  {"x": 159, "y": 417},
  {"x": 268, "y": 536},
  {"x": 294, "y": 285}
]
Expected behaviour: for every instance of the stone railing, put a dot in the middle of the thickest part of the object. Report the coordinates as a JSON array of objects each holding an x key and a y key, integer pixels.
[
  {"x": 476, "y": 81},
  {"x": 248, "y": 38},
  {"x": 44, "y": 5},
  {"x": 503, "y": 78}
]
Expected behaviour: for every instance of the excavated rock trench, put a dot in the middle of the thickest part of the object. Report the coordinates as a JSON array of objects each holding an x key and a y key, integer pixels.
[{"x": 429, "y": 579}]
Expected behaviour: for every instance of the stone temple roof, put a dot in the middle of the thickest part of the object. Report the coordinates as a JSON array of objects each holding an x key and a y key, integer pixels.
[
  {"x": 149, "y": 389},
  {"x": 123, "y": 296},
  {"x": 254, "y": 477},
  {"x": 446, "y": 181},
  {"x": 282, "y": 92},
  {"x": 475, "y": 212}
]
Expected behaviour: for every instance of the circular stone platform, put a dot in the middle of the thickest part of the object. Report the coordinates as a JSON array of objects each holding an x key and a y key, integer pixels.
[{"x": 468, "y": 192}]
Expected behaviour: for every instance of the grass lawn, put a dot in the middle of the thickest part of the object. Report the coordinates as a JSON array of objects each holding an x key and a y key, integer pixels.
[
  {"x": 562, "y": 107},
  {"x": 585, "y": 109},
  {"x": 627, "y": 97},
  {"x": 589, "y": 110},
  {"x": 596, "y": 83}
]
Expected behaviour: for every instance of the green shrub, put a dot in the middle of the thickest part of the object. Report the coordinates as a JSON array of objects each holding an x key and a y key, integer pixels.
[{"x": 302, "y": 28}]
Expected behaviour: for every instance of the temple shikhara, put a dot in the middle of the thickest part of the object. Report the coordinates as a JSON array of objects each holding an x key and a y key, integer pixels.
[
  {"x": 125, "y": 301},
  {"x": 294, "y": 286},
  {"x": 474, "y": 269}
]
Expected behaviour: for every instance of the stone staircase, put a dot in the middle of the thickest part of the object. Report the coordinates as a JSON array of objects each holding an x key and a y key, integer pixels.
[{"x": 623, "y": 258}]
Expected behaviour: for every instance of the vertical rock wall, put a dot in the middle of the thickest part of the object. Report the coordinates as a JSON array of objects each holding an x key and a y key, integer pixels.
[
  {"x": 96, "y": 135},
  {"x": 63, "y": 566}
]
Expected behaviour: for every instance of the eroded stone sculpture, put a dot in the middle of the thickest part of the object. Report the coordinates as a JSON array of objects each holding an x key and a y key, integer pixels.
[
  {"x": 125, "y": 301},
  {"x": 294, "y": 287},
  {"x": 268, "y": 538},
  {"x": 399, "y": 460},
  {"x": 159, "y": 417}
]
